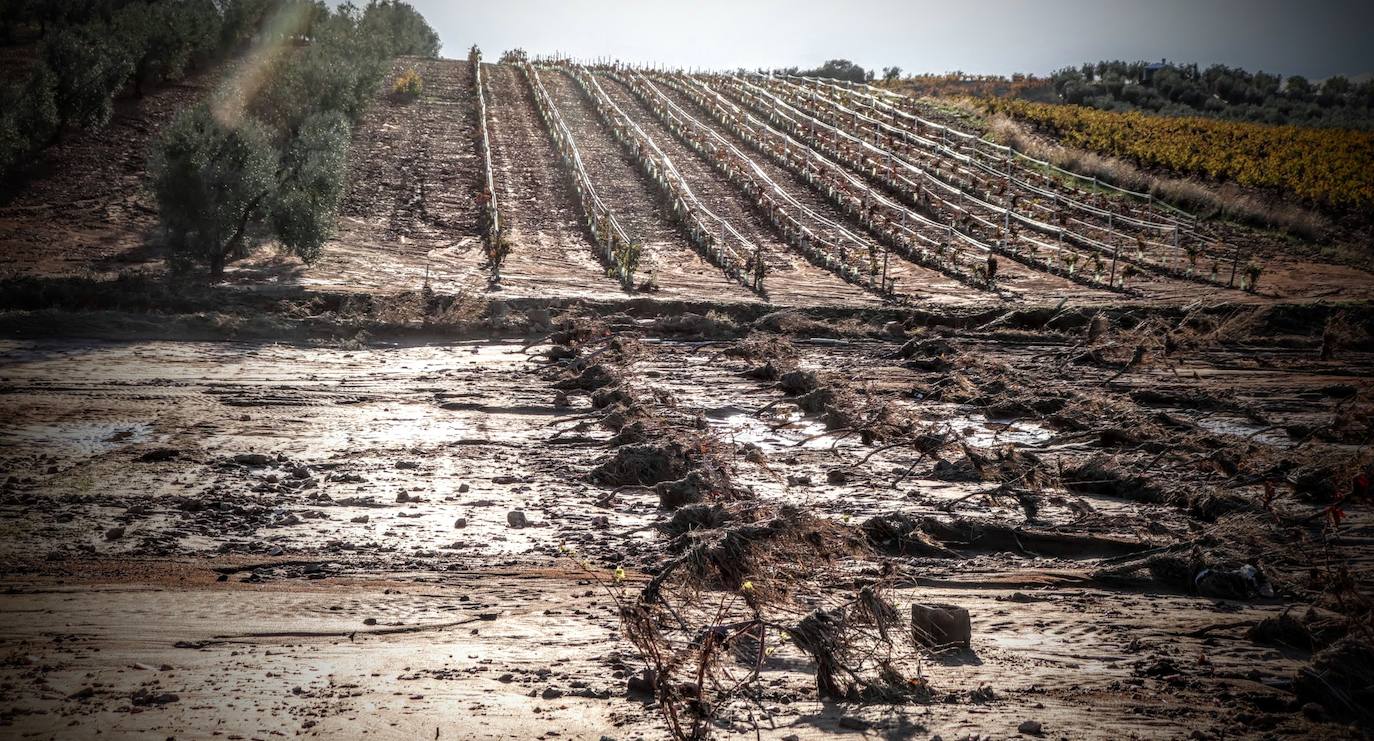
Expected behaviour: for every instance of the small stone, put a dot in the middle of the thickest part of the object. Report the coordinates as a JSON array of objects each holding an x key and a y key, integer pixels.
[
  {"x": 506, "y": 678},
  {"x": 370, "y": 621},
  {"x": 551, "y": 693},
  {"x": 460, "y": 523},
  {"x": 114, "y": 533},
  {"x": 601, "y": 522},
  {"x": 1031, "y": 727},
  {"x": 516, "y": 519},
  {"x": 642, "y": 684},
  {"x": 836, "y": 477},
  {"x": 359, "y": 520},
  {"x": 402, "y": 498},
  {"x": 464, "y": 488},
  {"x": 158, "y": 455}
]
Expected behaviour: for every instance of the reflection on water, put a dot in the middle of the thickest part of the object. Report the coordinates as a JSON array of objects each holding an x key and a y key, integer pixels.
[{"x": 86, "y": 439}]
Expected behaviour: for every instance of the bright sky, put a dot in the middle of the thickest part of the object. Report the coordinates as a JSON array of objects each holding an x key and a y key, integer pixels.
[{"x": 1312, "y": 38}]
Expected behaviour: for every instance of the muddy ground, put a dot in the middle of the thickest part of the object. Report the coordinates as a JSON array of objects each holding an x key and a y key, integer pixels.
[
  {"x": 385, "y": 495},
  {"x": 324, "y": 535}
]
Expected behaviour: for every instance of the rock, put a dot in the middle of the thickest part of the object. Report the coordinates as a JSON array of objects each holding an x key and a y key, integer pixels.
[
  {"x": 300, "y": 472},
  {"x": 402, "y": 498},
  {"x": 407, "y": 465},
  {"x": 144, "y": 697},
  {"x": 460, "y": 523},
  {"x": 601, "y": 522},
  {"x": 159, "y": 455},
  {"x": 941, "y": 625},
  {"x": 642, "y": 684},
  {"x": 370, "y": 621},
  {"x": 516, "y": 519},
  {"x": 854, "y": 724},
  {"x": 551, "y": 693},
  {"x": 1097, "y": 327},
  {"x": 252, "y": 459},
  {"x": 506, "y": 678},
  {"x": 1031, "y": 727},
  {"x": 464, "y": 488},
  {"x": 360, "y": 519},
  {"x": 85, "y": 693},
  {"x": 114, "y": 533},
  {"x": 837, "y": 477}
]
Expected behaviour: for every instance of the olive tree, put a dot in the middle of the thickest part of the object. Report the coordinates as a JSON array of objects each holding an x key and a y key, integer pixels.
[
  {"x": 311, "y": 184},
  {"x": 162, "y": 39},
  {"x": 212, "y": 181},
  {"x": 28, "y": 117},
  {"x": 89, "y": 67}
]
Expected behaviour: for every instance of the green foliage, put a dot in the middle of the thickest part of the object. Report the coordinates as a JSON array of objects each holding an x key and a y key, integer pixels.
[
  {"x": 840, "y": 69},
  {"x": 891, "y": 73},
  {"x": 28, "y": 117},
  {"x": 401, "y": 28},
  {"x": 1219, "y": 91},
  {"x": 89, "y": 67},
  {"x": 211, "y": 181},
  {"x": 164, "y": 38},
  {"x": 298, "y": 122},
  {"x": 312, "y": 184}
]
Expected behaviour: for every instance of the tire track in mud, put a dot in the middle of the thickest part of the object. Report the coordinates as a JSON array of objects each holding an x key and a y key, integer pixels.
[
  {"x": 551, "y": 250},
  {"x": 668, "y": 257},
  {"x": 920, "y": 283},
  {"x": 791, "y": 279},
  {"x": 410, "y": 214}
]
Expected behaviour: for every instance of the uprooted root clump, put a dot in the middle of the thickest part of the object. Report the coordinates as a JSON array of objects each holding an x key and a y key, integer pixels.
[{"x": 741, "y": 581}]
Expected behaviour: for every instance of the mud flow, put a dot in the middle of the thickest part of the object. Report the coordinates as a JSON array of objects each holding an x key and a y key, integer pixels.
[{"x": 404, "y": 536}]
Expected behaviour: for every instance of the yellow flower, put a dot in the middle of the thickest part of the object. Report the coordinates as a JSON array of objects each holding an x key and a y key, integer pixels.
[
  {"x": 619, "y": 574},
  {"x": 748, "y": 586}
]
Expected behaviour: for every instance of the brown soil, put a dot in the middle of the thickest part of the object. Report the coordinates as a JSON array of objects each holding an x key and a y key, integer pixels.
[{"x": 320, "y": 501}]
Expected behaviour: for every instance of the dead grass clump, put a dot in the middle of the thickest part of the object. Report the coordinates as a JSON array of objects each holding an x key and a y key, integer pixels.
[
  {"x": 714, "y": 325},
  {"x": 643, "y": 465},
  {"x": 591, "y": 378},
  {"x": 1341, "y": 679},
  {"x": 1103, "y": 477},
  {"x": 900, "y": 534},
  {"x": 1009, "y": 466}
]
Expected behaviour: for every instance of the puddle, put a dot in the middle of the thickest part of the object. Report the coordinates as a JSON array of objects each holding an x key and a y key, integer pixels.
[
  {"x": 1219, "y": 424},
  {"x": 85, "y": 439},
  {"x": 787, "y": 431},
  {"x": 984, "y": 432}
]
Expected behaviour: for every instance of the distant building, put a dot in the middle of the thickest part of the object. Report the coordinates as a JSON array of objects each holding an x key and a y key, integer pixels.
[{"x": 1151, "y": 69}]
